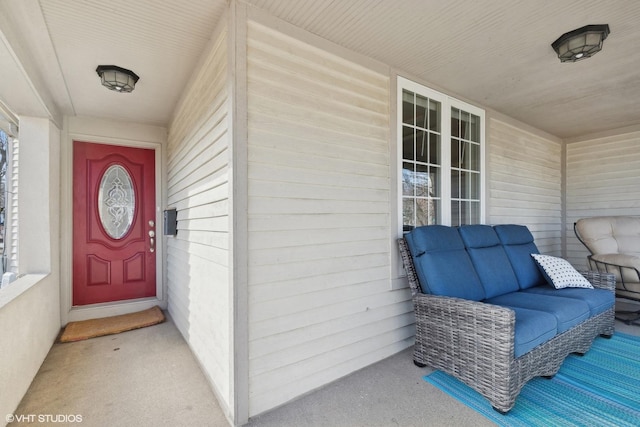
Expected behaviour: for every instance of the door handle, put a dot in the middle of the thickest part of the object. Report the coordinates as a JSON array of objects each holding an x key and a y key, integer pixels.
[{"x": 152, "y": 241}]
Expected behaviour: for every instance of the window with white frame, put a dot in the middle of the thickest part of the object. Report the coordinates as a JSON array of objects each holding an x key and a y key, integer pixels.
[{"x": 441, "y": 151}]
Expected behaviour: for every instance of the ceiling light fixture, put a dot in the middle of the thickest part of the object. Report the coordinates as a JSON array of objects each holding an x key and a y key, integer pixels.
[
  {"x": 117, "y": 78},
  {"x": 581, "y": 43}
]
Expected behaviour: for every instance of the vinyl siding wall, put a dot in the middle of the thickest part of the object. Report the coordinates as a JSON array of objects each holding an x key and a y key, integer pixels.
[
  {"x": 603, "y": 178},
  {"x": 198, "y": 278},
  {"x": 320, "y": 304},
  {"x": 525, "y": 182},
  {"x": 320, "y": 213}
]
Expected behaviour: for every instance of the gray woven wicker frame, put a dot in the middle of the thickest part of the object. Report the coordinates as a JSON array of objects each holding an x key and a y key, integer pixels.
[{"x": 474, "y": 341}]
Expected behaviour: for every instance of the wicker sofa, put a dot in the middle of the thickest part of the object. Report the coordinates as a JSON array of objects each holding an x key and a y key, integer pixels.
[{"x": 485, "y": 313}]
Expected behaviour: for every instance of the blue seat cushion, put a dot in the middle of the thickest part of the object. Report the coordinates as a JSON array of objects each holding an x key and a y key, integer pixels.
[
  {"x": 489, "y": 259},
  {"x": 599, "y": 300},
  {"x": 442, "y": 264},
  {"x": 519, "y": 245},
  {"x": 532, "y": 329},
  {"x": 568, "y": 311}
]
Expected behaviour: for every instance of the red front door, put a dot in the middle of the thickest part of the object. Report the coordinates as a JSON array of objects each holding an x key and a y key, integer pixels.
[{"x": 114, "y": 226}]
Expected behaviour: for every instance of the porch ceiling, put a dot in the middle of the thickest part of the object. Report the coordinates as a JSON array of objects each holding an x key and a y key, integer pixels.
[{"x": 496, "y": 53}]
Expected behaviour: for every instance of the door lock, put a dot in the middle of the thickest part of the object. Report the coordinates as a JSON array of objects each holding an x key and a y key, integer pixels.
[{"x": 152, "y": 240}]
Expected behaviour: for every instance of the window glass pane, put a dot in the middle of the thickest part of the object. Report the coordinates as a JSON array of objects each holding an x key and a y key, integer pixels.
[
  {"x": 470, "y": 156},
  {"x": 423, "y": 180},
  {"x": 434, "y": 211},
  {"x": 422, "y": 146},
  {"x": 422, "y": 106},
  {"x": 464, "y": 213},
  {"x": 455, "y": 153},
  {"x": 455, "y": 184},
  {"x": 408, "y": 212},
  {"x": 426, "y": 212},
  {"x": 469, "y": 212},
  {"x": 408, "y": 179},
  {"x": 434, "y": 116},
  {"x": 434, "y": 175},
  {"x": 407, "y": 107},
  {"x": 464, "y": 124},
  {"x": 473, "y": 212},
  {"x": 474, "y": 186},
  {"x": 434, "y": 149},
  {"x": 455, "y": 122},
  {"x": 407, "y": 143},
  {"x": 455, "y": 213},
  {"x": 464, "y": 185},
  {"x": 474, "y": 128},
  {"x": 469, "y": 185}
]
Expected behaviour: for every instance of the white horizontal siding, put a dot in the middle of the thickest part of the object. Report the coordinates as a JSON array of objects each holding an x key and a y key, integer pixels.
[
  {"x": 320, "y": 304},
  {"x": 198, "y": 280},
  {"x": 603, "y": 178},
  {"x": 525, "y": 183}
]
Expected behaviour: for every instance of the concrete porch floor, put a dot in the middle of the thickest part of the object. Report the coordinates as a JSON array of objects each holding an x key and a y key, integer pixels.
[{"x": 148, "y": 377}]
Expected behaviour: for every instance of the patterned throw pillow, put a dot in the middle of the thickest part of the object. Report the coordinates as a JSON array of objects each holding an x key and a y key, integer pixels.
[{"x": 560, "y": 273}]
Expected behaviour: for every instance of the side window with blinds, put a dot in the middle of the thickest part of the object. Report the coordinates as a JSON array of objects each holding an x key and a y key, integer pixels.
[{"x": 8, "y": 203}]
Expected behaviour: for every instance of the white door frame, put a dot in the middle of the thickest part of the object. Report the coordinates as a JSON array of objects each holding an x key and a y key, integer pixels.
[{"x": 126, "y": 135}]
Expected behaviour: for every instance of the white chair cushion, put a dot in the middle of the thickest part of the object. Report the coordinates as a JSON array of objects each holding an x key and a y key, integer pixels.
[{"x": 610, "y": 234}]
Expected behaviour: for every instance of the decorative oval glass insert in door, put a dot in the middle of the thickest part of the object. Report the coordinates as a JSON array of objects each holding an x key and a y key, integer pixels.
[{"x": 116, "y": 201}]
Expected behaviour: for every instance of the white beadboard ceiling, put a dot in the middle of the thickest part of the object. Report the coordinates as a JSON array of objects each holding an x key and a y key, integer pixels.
[{"x": 495, "y": 53}]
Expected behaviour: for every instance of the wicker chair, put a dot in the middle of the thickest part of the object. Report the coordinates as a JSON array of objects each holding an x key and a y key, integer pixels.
[{"x": 474, "y": 341}]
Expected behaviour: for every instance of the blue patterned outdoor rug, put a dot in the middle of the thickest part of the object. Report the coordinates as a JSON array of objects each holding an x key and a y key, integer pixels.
[{"x": 601, "y": 388}]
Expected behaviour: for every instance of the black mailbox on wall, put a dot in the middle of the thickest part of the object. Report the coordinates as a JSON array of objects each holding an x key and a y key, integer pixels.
[{"x": 170, "y": 222}]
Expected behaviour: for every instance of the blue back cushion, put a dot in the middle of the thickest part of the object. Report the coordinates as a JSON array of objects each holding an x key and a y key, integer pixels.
[
  {"x": 518, "y": 244},
  {"x": 489, "y": 259},
  {"x": 442, "y": 264}
]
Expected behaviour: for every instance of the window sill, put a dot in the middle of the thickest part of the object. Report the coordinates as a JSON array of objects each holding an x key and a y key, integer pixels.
[{"x": 16, "y": 288}]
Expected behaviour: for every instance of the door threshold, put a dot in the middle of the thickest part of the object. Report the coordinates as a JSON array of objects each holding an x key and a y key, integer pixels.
[{"x": 116, "y": 308}]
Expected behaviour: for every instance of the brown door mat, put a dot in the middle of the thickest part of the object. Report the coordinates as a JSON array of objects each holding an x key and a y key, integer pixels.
[{"x": 85, "y": 329}]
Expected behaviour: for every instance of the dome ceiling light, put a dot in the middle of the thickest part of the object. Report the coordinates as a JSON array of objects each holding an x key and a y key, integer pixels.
[
  {"x": 117, "y": 78},
  {"x": 581, "y": 43}
]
